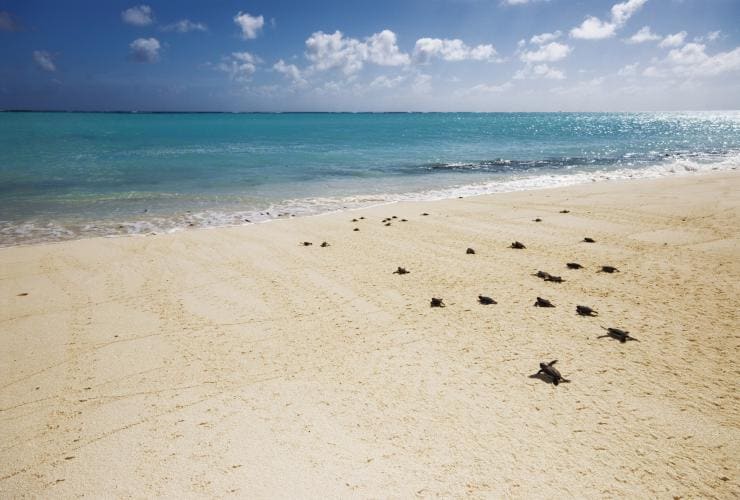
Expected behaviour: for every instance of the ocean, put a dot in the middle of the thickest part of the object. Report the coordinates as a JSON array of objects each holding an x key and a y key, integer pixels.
[{"x": 72, "y": 175}]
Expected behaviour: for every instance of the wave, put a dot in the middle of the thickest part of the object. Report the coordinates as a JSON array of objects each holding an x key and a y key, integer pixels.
[{"x": 509, "y": 176}]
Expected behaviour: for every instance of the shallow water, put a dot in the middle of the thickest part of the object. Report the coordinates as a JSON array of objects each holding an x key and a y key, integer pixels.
[{"x": 70, "y": 175}]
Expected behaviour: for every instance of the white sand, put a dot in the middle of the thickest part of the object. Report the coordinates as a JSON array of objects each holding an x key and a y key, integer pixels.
[{"x": 236, "y": 362}]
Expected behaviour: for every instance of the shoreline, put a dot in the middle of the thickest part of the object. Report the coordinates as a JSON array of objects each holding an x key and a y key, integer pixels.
[
  {"x": 237, "y": 361},
  {"x": 452, "y": 193}
]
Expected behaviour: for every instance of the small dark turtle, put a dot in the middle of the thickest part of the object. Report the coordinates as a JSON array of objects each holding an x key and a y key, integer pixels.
[
  {"x": 404, "y": 220},
  {"x": 387, "y": 223},
  {"x": 585, "y": 311},
  {"x": 552, "y": 372},
  {"x": 425, "y": 213},
  {"x": 565, "y": 211},
  {"x": 537, "y": 220},
  {"x": 517, "y": 245},
  {"x": 436, "y": 302},
  {"x": 401, "y": 270},
  {"x": 608, "y": 269},
  {"x": 23, "y": 294},
  {"x": 617, "y": 333},
  {"x": 324, "y": 245},
  {"x": 356, "y": 229},
  {"x": 542, "y": 274},
  {"x": 470, "y": 251},
  {"x": 554, "y": 279},
  {"x": 540, "y": 302},
  {"x": 574, "y": 265},
  {"x": 362, "y": 218},
  {"x": 306, "y": 243},
  {"x": 486, "y": 300},
  {"x": 588, "y": 240},
  {"x": 394, "y": 217},
  {"x": 354, "y": 220}
]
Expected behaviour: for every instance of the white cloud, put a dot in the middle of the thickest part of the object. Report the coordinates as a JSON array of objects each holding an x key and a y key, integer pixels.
[
  {"x": 145, "y": 50},
  {"x": 544, "y": 38},
  {"x": 290, "y": 71},
  {"x": 553, "y": 51},
  {"x": 539, "y": 71},
  {"x": 8, "y": 22},
  {"x": 653, "y": 72},
  {"x": 691, "y": 53},
  {"x": 385, "y": 82},
  {"x": 240, "y": 65},
  {"x": 184, "y": 26},
  {"x": 328, "y": 51},
  {"x": 621, "y": 12},
  {"x": 44, "y": 60},
  {"x": 451, "y": 50},
  {"x": 249, "y": 25},
  {"x": 594, "y": 28},
  {"x": 673, "y": 40},
  {"x": 141, "y": 15},
  {"x": 422, "y": 83},
  {"x": 644, "y": 35},
  {"x": 713, "y": 35},
  {"x": 492, "y": 89},
  {"x": 629, "y": 70}
]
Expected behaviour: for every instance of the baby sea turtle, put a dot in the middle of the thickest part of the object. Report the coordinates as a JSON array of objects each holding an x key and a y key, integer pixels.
[
  {"x": 425, "y": 213},
  {"x": 588, "y": 240},
  {"x": 517, "y": 245},
  {"x": 542, "y": 274},
  {"x": 387, "y": 223},
  {"x": 486, "y": 300},
  {"x": 552, "y": 372},
  {"x": 354, "y": 220},
  {"x": 585, "y": 311},
  {"x": 617, "y": 333},
  {"x": 324, "y": 244},
  {"x": 554, "y": 279},
  {"x": 401, "y": 270},
  {"x": 565, "y": 211},
  {"x": 574, "y": 265},
  {"x": 356, "y": 229},
  {"x": 608, "y": 269},
  {"x": 436, "y": 302},
  {"x": 306, "y": 243},
  {"x": 470, "y": 251},
  {"x": 537, "y": 220},
  {"x": 404, "y": 220},
  {"x": 22, "y": 294},
  {"x": 540, "y": 302},
  {"x": 394, "y": 217},
  {"x": 362, "y": 218}
]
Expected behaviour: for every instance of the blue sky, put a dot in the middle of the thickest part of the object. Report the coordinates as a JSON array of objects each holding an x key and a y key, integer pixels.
[{"x": 339, "y": 55}]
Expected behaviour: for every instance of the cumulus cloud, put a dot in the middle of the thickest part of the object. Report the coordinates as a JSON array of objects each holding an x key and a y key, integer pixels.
[
  {"x": 629, "y": 70},
  {"x": 544, "y": 38},
  {"x": 674, "y": 40},
  {"x": 386, "y": 82},
  {"x": 553, "y": 51},
  {"x": 289, "y": 71},
  {"x": 44, "y": 60},
  {"x": 140, "y": 15},
  {"x": 249, "y": 25},
  {"x": 643, "y": 35},
  {"x": 145, "y": 50},
  {"x": 8, "y": 22},
  {"x": 239, "y": 65},
  {"x": 491, "y": 89},
  {"x": 539, "y": 71},
  {"x": 692, "y": 62},
  {"x": 328, "y": 51},
  {"x": 185, "y": 26},
  {"x": 452, "y": 50},
  {"x": 593, "y": 28}
]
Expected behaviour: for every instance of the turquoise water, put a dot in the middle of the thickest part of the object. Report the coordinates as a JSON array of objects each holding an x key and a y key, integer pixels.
[{"x": 70, "y": 175}]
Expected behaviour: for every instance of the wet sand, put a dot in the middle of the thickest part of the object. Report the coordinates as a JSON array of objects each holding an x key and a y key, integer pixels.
[{"x": 236, "y": 362}]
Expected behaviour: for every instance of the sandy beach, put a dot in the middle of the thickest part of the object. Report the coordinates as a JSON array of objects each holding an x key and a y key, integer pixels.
[{"x": 237, "y": 362}]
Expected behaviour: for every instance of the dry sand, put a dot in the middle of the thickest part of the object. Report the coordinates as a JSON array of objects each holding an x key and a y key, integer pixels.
[{"x": 237, "y": 362}]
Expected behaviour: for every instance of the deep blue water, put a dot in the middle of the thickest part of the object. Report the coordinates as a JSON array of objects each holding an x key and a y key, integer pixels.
[{"x": 66, "y": 175}]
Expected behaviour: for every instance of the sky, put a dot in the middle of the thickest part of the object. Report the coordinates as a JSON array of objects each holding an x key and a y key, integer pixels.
[{"x": 380, "y": 55}]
